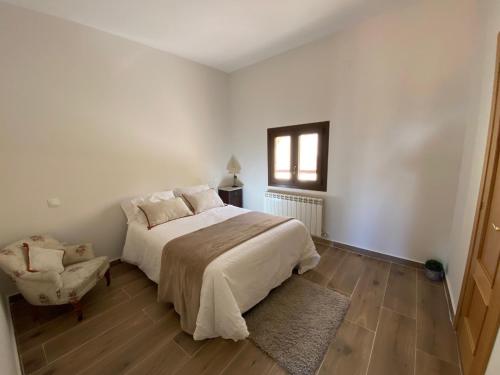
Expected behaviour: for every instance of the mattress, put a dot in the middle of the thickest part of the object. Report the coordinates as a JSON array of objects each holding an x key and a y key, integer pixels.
[{"x": 235, "y": 281}]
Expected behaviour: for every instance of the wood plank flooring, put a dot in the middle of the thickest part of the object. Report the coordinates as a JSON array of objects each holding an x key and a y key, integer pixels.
[{"x": 398, "y": 323}]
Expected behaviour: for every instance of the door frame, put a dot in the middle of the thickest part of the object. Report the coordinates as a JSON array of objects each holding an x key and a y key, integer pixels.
[{"x": 491, "y": 162}]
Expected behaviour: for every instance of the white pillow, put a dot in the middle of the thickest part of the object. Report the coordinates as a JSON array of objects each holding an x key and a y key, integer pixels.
[
  {"x": 160, "y": 212},
  {"x": 43, "y": 260},
  {"x": 131, "y": 206},
  {"x": 204, "y": 200},
  {"x": 179, "y": 192}
]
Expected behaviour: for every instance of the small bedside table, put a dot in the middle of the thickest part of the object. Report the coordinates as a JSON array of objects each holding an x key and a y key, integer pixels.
[{"x": 232, "y": 195}]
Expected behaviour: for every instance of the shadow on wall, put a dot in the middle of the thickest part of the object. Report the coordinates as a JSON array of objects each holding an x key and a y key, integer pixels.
[
  {"x": 435, "y": 165},
  {"x": 415, "y": 168},
  {"x": 398, "y": 193},
  {"x": 106, "y": 229}
]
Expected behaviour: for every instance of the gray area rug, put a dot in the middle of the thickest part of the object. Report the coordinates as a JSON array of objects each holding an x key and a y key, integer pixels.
[{"x": 296, "y": 323}]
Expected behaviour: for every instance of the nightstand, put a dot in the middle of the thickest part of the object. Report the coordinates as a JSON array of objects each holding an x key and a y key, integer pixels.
[{"x": 232, "y": 195}]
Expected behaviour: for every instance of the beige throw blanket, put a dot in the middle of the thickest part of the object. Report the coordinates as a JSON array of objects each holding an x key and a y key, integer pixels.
[{"x": 185, "y": 258}]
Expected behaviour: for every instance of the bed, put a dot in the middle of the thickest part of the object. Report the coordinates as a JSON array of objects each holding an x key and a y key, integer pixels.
[{"x": 235, "y": 281}]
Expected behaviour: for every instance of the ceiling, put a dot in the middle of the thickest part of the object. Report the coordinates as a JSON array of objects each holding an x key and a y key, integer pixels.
[{"x": 224, "y": 34}]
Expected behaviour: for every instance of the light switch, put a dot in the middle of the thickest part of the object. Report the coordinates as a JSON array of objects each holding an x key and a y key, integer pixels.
[{"x": 53, "y": 202}]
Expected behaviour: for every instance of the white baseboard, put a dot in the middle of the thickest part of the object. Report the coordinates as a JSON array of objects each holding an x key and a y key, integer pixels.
[{"x": 452, "y": 299}]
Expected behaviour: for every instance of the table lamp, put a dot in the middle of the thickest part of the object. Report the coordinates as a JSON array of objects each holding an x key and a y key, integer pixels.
[{"x": 233, "y": 167}]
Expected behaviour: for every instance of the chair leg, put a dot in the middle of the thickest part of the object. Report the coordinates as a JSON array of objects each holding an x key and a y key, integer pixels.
[
  {"x": 107, "y": 275},
  {"x": 77, "y": 306}
]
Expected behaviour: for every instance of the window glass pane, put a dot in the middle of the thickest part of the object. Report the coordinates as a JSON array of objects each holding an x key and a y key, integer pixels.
[
  {"x": 308, "y": 157},
  {"x": 282, "y": 155}
]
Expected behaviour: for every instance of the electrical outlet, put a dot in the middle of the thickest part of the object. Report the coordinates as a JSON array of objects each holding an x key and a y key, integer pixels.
[{"x": 53, "y": 202}]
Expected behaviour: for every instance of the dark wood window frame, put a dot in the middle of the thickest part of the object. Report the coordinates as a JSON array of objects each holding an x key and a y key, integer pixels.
[{"x": 294, "y": 131}]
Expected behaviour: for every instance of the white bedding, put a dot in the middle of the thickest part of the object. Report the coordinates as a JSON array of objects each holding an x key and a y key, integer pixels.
[{"x": 235, "y": 281}]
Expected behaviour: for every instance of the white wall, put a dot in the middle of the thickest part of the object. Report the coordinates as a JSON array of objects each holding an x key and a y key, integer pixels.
[
  {"x": 474, "y": 150},
  {"x": 8, "y": 355},
  {"x": 92, "y": 118},
  {"x": 396, "y": 89},
  {"x": 472, "y": 163}
]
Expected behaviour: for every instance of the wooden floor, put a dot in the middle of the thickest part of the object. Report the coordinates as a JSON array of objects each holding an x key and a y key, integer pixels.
[{"x": 398, "y": 323}]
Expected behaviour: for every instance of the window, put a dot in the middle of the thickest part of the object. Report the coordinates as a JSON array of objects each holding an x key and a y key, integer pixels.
[{"x": 298, "y": 156}]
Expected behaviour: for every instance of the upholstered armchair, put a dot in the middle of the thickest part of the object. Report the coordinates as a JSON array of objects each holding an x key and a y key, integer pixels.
[{"x": 82, "y": 271}]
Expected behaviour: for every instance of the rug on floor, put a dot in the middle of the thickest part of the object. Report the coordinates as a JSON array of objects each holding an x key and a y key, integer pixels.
[{"x": 296, "y": 323}]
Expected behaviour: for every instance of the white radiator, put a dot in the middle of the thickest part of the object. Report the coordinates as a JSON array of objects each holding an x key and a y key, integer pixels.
[{"x": 309, "y": 210}]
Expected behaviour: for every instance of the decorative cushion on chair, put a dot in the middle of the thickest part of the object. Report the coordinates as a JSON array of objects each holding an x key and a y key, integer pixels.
[
  {"x": 14, "y": 257},
  {"x": 42, "y": 260},
  {"x": 77, "y": 253},
  {"x": 79, "y": 278}
]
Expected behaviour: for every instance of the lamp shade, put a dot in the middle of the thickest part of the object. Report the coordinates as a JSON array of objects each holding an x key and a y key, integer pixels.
[{"x": 233, "y": 166}]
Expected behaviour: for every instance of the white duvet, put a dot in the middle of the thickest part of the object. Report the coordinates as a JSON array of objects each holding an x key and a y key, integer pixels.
[{"x": 235, "y": 281}]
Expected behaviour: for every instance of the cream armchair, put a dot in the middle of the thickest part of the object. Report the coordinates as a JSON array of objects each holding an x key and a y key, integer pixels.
[{"x": 52, "y": 288}]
